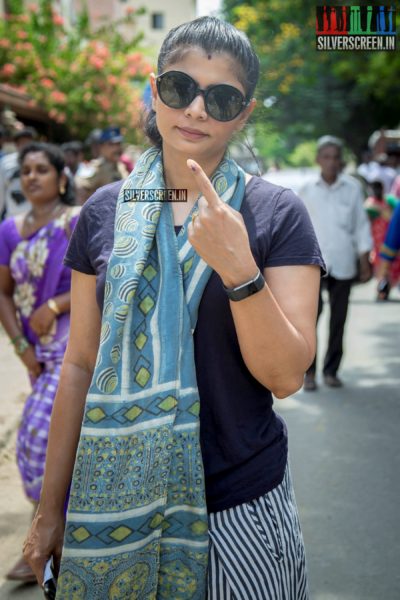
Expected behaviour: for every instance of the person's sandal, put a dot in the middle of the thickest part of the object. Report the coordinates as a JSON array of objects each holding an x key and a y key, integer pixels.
[
  {"x": 21, "y": 571},
  {"x": 309, "y": 384},
  {"x": 383, "y": 290}
]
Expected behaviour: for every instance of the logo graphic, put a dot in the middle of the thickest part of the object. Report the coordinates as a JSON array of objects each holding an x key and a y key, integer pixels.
[
  {"x": 156, "y": 195},
  {"x": 356, "y": 28}
]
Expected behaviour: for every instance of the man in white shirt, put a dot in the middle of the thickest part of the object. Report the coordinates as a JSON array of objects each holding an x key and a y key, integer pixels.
[
  {"x": 12, "y": 200},
  {"x": 335, "y": 204}
]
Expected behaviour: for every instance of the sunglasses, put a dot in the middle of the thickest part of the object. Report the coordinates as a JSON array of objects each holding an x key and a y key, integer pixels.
[{"x": 222, "y": 102}]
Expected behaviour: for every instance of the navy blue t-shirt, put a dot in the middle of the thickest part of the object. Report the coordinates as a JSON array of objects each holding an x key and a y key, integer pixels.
[{"x": 244, "y": 443}]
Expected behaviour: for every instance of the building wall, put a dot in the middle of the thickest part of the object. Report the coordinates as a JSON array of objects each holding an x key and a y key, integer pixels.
[{"x": 172, "y": 13}]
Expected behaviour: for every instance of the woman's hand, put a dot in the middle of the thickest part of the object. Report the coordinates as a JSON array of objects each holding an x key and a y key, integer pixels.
[
  {"x": 41, "y": 320},
  {"x": 44, "y": 539},
  {"x": 219, "y": 235},
  {"x": 31, "y": 363}
]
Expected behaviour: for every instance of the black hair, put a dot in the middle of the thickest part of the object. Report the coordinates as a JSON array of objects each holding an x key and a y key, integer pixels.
[
  {"x": 75, "y": 147},
  {"x": 26, "y": 132},
  {"x": 377, "y": 187},
  {"x": 211, "y": 35},
  {"x": 55, "y": 157}
]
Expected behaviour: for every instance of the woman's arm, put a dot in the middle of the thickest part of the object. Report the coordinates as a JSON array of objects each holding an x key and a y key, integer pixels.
[
  {"x": 45, "y": 536},
  {"x": 43, "y": 317},
  {"x": 276, "y": 327},
  {"x": 8, "y": 318}
]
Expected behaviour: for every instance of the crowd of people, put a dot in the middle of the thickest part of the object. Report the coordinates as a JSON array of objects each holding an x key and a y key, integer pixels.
[{"x": 241, "y": 261}]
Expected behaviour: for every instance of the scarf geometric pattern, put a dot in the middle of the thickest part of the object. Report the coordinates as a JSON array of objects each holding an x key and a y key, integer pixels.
[{"x": 137, "y": 520}]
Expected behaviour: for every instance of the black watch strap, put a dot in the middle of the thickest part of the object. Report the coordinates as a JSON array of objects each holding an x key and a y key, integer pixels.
[{"x": 246, "y": 289}]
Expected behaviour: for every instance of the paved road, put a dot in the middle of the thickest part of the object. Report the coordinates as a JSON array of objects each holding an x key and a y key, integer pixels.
[{"x": 345, "y": 459}]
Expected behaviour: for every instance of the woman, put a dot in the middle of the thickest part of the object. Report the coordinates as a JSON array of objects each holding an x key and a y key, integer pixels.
[
  {"x": 197, "y": 328},
  {"x": 379, "y": 209},
  {"x": 389, "y": 254},
  {"x": 34, "y": 303}
]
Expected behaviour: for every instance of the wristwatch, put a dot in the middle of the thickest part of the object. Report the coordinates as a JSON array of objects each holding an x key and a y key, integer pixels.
[{"x": 246, "y": 289}]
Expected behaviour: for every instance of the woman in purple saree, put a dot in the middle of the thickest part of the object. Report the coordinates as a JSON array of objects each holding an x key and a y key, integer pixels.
[{"x": 34, "y": 303}]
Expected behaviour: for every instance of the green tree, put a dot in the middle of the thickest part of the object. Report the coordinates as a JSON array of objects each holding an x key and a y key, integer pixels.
[
  {"x": 308, "y": 93},
  {"x": 82, "y": 78}
]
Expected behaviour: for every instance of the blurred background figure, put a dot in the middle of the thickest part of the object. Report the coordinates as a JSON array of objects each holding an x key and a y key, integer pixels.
[
  {"x": 379, "y": 210},
  {"x": 73, "y": 154},
  {"x": 2, "y": 140},
  {"x": 389, "y": 254},
  {"x": 380, "y": 169},
  {"x": 92, "y": 142},
  {"x": 105, "y": 169},
  {"x": 335, "y": 203},
  {"x": 35, "y": 302},
  {"x": 12, "y": 199}
]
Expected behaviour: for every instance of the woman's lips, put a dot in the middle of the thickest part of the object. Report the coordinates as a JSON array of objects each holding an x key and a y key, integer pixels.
[{"x": 191, "y": 134}]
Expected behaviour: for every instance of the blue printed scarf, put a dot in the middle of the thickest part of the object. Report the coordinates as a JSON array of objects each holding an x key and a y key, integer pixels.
[{"x": 137, "y": 518}]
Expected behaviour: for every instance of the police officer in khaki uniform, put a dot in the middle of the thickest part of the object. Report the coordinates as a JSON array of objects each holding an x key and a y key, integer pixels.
[{"x": 105, "y": 169}]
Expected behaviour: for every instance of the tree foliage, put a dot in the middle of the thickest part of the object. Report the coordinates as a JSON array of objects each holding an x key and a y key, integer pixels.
[
  {"x": 309, "y": 93},
  {"x": 82, "y": 78}
]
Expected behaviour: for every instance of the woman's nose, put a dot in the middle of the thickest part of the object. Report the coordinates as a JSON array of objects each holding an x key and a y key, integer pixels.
[{"x": 196, "y": 108}]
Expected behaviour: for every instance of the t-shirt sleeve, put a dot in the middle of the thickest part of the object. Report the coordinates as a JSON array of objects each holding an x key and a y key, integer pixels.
[
  {"x": 77, "y": 255},
  {"x": 5, "y": 242},
  {"x": 293, "y": 240}
]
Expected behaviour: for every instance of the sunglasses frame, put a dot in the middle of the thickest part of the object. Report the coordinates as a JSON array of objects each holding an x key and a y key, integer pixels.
[{"x": 204, "y": 92}]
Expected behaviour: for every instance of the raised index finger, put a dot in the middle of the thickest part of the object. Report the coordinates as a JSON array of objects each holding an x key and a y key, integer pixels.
[{"x": 205, "y": 185}]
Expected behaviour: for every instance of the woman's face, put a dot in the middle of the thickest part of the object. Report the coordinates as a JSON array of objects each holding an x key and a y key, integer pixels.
[
  {"x": 191, "y": 130},
  {"x": 40, "y": 181}
]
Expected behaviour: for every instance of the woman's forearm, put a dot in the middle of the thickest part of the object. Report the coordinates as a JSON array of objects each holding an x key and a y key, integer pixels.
[
  {"x": 8, "y": 316},
  {"x": 63, "y": 302},
  {"x": 66, "y": 420}
]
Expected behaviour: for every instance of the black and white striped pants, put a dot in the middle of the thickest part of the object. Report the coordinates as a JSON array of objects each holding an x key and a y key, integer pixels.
[{"x": 257, "y": 551}]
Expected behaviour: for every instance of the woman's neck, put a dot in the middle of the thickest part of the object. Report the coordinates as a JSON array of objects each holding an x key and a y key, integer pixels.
[{"x": 39, "y": 211}]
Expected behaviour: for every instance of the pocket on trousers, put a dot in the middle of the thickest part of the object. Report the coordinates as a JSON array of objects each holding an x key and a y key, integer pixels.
[{"x": 267, "y": 524}]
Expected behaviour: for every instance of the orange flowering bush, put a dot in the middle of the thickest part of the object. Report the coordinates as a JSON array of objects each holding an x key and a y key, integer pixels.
[{"x": 81, "y": 78}]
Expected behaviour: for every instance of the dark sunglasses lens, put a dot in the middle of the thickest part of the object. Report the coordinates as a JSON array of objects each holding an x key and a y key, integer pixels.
[
  {"x": 176, "y": 89},
  {"x": 224, "y": 102}
]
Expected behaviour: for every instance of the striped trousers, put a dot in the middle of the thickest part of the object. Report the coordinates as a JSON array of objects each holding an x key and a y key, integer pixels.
[{"x": 257, "y": 551}]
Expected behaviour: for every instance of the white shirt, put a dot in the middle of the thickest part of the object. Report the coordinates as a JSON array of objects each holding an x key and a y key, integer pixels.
[
  {"x": 373, "y": 171},
  {"x": 340, "y": 222},
  {"x": 10, "y": 187}
]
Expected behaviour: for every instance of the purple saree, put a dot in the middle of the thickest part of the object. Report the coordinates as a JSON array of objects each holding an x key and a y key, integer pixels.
[{"x": 36, "y": 265}]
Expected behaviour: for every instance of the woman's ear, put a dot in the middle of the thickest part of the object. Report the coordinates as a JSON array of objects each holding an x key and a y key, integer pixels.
[
  {"x": 246, "y": 114},
  {"x": 153, "y": 86}
]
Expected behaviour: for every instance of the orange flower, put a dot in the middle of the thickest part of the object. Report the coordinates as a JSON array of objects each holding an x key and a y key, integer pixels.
[
  {"x": 33, "y": 8},
  {"x": 96, "y": 62},
  {"x": 8, "y": 70},
  {"x": 58, "y": 97},
  {"x": 105, "y": 103},
  {"x": 5, "y": 43},
  {"x": 135, "y": 57},
  {"x": 58, "y": 20},
  {"x": 146, "y": 69},
  {"x": 47, "y": 83},
  {"x": 112, "y": 80},
  {"x": 22, "y": 35}
]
